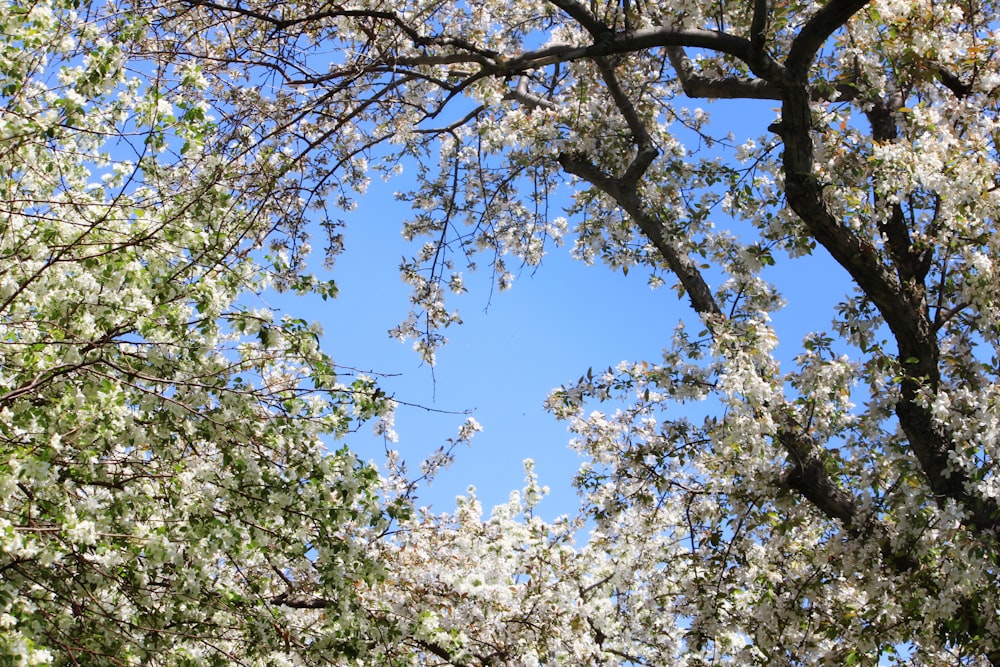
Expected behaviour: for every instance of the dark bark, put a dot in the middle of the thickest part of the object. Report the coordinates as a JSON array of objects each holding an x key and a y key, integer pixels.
[
  {"x": 894, "y": 284},
  {"x": 902, "y": 304},
  {"x": 891, "y": 277},
  {"x": 655, "y": 230}
]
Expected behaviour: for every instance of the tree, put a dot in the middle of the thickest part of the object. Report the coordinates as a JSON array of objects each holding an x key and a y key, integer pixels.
[
  {"x": 840, "y": 512},
  {"x": 166, "y": 493},
  {"x": 834, "y": 512}
]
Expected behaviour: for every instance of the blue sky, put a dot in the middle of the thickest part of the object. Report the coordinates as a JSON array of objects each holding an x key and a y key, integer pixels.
[{"x": 514, "y": 347}]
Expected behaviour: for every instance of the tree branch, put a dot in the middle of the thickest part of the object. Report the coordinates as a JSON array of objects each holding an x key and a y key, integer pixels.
[
  {"x": 338, "y": 12},
  {"x": 816, "y": 31},
  {"x": 902, "y": 305},
  {"x": 758, "y": 25},
  {"x": 440, "y": 652},
  {"x": 897, "y": 234},
  {"x": 582, "y": 15},
  {"x": 646, "y": 152},
  {"x": 697, "y": 86},
  {"x": 520, "y": 93},
  {"x": 654, "y": 229},
  {"x": 285, "y": 600},
  {"x": 809, "y": 477},
  {"x": 631, "y": 42},
  {"x": 959, "y": 88}
]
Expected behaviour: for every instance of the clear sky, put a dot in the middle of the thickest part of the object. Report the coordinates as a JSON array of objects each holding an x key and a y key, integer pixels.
[
  {"x": 515, "y": 347},
  {"x": 512, "y": 349}
]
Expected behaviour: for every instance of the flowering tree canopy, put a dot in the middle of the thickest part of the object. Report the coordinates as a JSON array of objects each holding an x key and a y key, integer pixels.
[
  {"x": 166, "y": 496},
  {"x": 840, "y": 509}
]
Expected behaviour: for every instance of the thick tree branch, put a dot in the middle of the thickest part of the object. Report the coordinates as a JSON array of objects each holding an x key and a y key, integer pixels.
[
  {"x": 521, "y": 94},
  {"x": 697, "y": 86},
  {"x": 440, "y": 652},
  {"x": 487, "y": 64},
  {"x": 816, "y": 31},
  {"x": 582, "y": 15},
  {"x": 909, "y": 264},
  {"x": 286, "y": 600},
  {"x": 632, "y": 42},
  {"x": 809, "y": 477},
  {"x": 902, "y": 305},
  {"x": 654, "y": 229},
  {"x": 758, "y": 24},
  {"x": 899, "y": 300},
  {"x": 645, "y": 150},
  {"x": 960, "y": 89}
]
